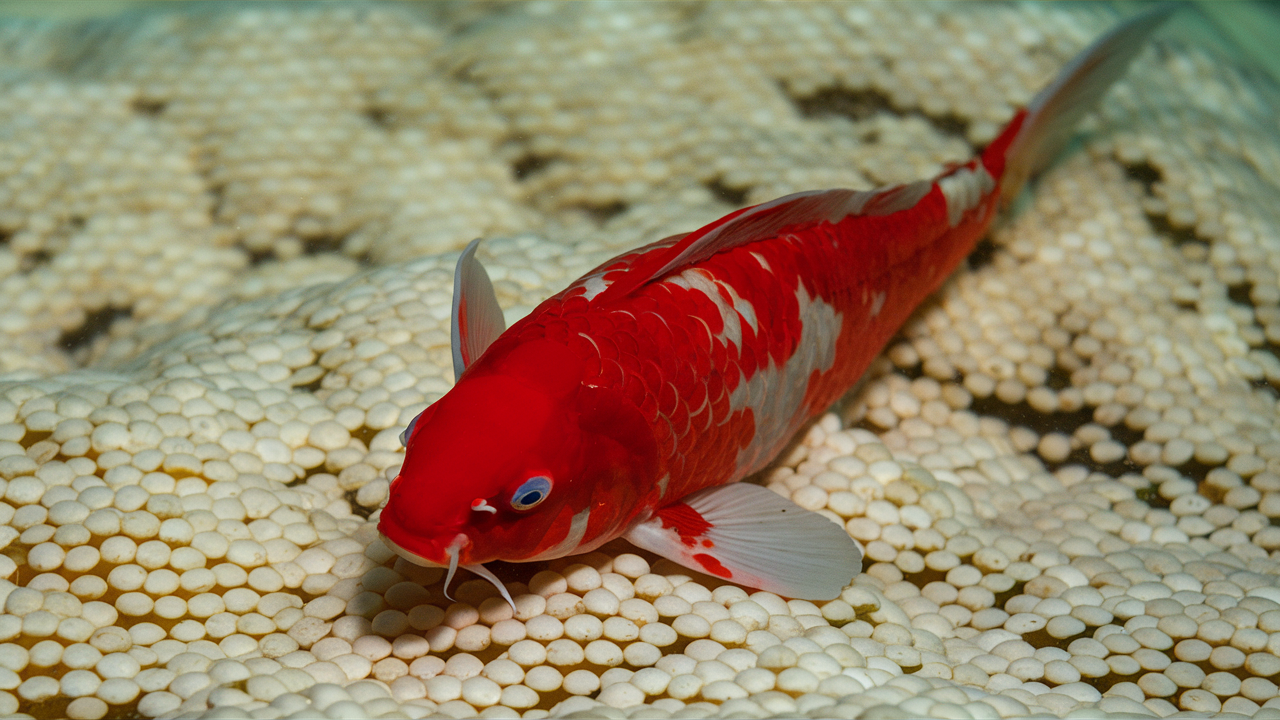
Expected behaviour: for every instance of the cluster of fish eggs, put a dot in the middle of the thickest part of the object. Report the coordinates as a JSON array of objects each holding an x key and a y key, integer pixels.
[
  {"x": 1064, "y": 473},
  {"x": 93, "y": 194}
]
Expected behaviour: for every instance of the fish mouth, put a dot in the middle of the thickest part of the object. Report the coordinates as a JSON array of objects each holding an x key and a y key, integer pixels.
[
  {"x": 430, "y": 549},
  {"x": 453, "y": 551},
  {"x": 408, "y": 554}
]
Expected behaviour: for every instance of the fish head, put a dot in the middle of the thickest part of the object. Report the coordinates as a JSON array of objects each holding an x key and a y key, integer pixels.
[{"x": 519, "y": 461}]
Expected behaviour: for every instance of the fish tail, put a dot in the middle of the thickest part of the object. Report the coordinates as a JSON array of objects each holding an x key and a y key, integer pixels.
[{"x": 1039, "y": 132}]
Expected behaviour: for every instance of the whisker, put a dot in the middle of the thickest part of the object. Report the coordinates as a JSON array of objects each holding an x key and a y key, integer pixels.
[
  {"x": 483, "y": 572},
  {"x": 453, "y": 551}
]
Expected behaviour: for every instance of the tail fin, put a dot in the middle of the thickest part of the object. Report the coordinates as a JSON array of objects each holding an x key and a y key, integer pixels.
[{"x": 1053, "y": 114}]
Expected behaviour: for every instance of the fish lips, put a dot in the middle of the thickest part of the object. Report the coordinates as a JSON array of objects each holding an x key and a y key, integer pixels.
[{"x": 426, "y": 552}]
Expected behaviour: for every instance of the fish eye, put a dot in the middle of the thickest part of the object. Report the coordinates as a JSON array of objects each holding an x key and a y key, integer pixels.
[{"x": 531, "y": 492}]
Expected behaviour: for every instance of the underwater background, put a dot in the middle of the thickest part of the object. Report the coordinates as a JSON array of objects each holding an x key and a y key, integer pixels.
[{"x": 227, "y": 239}]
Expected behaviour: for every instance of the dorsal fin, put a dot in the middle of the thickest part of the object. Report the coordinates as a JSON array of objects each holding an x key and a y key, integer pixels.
[
  {"x": 761, "y": 222},
  {"x": 477, "y": 319}
]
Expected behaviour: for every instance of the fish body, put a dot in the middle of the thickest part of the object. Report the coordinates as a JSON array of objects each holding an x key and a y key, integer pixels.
[{"x": 631, "y": 402}]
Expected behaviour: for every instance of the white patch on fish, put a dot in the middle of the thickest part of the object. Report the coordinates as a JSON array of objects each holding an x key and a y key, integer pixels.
[
  {"x": 593, "y": 285},
  {"x": 733, "y": 312},
  {"x": 776, "y": 395},
  {"x": 571, "y": 541},
  {"x": 964, "y": 190}
]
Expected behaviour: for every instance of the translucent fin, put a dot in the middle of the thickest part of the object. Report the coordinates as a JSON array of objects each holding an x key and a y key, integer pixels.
[
  {"x": 483, "y": 572},
  {"x": 1055, "y": 111},
  {"x": 764, "y": 221},
  {"x": 408, "y": 431},
  {"x": 749, "y": 535},
  {"x": 477, "y": 318}
]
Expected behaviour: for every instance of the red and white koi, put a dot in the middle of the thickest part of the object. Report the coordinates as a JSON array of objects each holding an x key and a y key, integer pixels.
[{"x": 630, "y": 403}]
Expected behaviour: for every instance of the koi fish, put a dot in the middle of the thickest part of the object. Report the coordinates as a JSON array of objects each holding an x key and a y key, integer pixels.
[{"x": 632, "y": 402}]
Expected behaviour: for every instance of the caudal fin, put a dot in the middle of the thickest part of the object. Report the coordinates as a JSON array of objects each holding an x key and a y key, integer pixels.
[{"x": 1053, "y": 114}]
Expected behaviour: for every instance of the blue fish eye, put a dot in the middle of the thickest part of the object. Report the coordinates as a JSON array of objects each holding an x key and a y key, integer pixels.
[{"x": 531, "y": 492}]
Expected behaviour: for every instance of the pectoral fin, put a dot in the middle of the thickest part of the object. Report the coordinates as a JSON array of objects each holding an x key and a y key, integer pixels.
[{"x": 749, "y": 535}]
